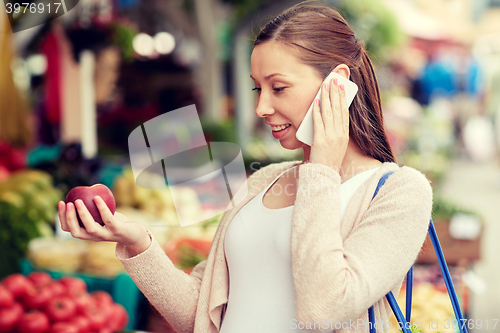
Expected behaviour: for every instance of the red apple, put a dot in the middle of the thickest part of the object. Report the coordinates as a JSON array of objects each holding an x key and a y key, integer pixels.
[{"x": 87, "y": 194}]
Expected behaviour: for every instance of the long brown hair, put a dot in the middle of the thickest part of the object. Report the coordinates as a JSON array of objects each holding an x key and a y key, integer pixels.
[{"x": 321, "y": 38}]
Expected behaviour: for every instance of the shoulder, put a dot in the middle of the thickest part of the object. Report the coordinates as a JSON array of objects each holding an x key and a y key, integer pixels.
[
  {"x": 406, "y": 183},
  {"x": 406, "y": 176}
]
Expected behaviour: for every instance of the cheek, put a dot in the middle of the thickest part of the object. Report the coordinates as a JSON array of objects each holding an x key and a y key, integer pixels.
[{"x": 300, "y": 107}]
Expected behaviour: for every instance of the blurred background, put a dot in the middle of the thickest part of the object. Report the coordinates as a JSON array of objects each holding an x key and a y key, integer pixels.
[{"x": 74, "y": 84}]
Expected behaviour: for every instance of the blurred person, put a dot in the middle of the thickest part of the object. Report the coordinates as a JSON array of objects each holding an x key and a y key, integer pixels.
[
  {"x": 58, "y": 45},
  {"x": 307, "y": 245},
  {"x": 473, "y": 129},
  {"x": 438, "y": 78}
]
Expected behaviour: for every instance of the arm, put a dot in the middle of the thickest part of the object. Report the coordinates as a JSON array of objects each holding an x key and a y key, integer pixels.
[
  {"x": 338, "y": 280},
  {"x": 172, "y": 292}
]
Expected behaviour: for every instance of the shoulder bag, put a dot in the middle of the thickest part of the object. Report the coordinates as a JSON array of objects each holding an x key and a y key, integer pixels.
[{"x": 404, "y": 323}]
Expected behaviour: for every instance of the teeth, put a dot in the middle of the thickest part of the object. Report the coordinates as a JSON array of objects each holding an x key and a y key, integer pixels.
[{"x": 280, "y": 127}]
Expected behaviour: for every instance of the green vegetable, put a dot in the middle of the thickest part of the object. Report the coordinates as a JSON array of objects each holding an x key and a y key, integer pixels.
[
  {"x": 28, "y": 206},
  {"x": 189, "y": 257},
  {"x": 16, "y": 230}
]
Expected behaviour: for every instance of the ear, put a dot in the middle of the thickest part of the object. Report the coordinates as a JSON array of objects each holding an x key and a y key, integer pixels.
[{"x": 343, "y": 70}]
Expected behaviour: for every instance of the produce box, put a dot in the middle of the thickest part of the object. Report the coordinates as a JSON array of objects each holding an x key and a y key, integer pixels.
[
  {"x": 455, "y": 250},
  {"x": 121, "y": 288},
  {"x": 431, "y": 310}
]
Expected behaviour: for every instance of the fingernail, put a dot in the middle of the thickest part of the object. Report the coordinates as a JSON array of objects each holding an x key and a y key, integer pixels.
[
  {"x": 69, "y": 206},
  {"x": 335, "y": 81},
  {"x": 342, "y": 87},
  {"x": 317, "y": 102},
  {"x": 97, "y": 198},
  {"x": 326, "y": 86},
  {"x": 78, "y": 203}
]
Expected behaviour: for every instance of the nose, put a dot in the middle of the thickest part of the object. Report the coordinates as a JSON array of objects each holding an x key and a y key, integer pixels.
[{"x": 264, "y": 107}]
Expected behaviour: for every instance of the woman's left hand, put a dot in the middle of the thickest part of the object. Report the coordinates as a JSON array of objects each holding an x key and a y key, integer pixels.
[{"x": 331, "y": 126}]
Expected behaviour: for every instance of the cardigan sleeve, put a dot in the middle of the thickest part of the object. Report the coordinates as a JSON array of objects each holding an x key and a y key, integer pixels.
[
  {"x": 171, "y": 291},
  {"x": 336, "y": 279}
]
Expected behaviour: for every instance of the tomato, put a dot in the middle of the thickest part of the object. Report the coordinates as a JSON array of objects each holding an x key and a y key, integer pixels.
[
  {"x": 97, "y": 320},
  {"x": 6, "y": 298},
  {"x": 104, "y": 330},
  {"x": 82, "y": 299},
  {"x": 66, "y": 327},
  {"x": 61, "y": 308},
  {"x": 36, "y": 298},
  {"x": 56, "y": 288},
  {"x": 33, "y": 322},
  {"x": 102, "y": 297},
  {"x": 73, "y": 284},
  {"x": 96, "y": 317},
  {"x": 17, "y": 284},
  {"x": 40, "y": 279},
  {"x": 10, "y": 316},
  {"x": 82, "y": 322},
  {"x": 118, "y": 319},
  {"x": 103, "y": 302}
]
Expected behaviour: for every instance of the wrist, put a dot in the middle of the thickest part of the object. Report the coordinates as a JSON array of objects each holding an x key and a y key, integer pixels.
[{"x": 140, "y": 245}]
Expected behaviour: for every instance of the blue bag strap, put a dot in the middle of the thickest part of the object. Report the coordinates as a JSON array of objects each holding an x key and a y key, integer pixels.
[
  {"x": 447, "y": 279},
  {"x": 409, "y": 283},
  {"x": 390, "y": 297},
  {"x": 409, "y": 289},
  {"x": 381, "y": 182}
]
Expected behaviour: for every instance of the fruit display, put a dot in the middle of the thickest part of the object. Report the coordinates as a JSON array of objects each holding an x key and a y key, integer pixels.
[
  {"x": 156, "y": 202},
  {"x": 430, "y": 305},
  {"x": 74, "y": 256},
  {"x": 431, "y": 309},
  {"x": 186, "y": 253},
  {"x": 100, "y": 260},
  {"x": 28, "y": 206},
  {"x": 59, "y": 254},
  {"x": 37, "y": 303},
  {"x": 155, "y": 208},
  {"x": 87, "y": 194}
]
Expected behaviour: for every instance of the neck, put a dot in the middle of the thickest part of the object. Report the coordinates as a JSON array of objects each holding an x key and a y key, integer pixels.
[{"x": 354, "y": 162}]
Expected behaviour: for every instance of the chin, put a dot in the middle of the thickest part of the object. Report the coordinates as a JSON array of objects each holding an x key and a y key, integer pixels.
[{"x": 291, "y": 145}]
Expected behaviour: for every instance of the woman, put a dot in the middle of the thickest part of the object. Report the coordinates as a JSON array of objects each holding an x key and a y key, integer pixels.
[{"x": 307, "y": 249}]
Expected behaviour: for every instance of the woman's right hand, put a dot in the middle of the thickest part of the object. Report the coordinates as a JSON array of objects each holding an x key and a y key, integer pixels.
[{"x": 116, "y": 228}]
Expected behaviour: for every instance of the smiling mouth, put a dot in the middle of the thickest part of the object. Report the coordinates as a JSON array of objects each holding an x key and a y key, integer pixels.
[{"x": 280, "y": 128}]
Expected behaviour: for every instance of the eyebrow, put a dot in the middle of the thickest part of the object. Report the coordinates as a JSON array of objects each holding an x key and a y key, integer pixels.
[{"x": 269, "y": 76}]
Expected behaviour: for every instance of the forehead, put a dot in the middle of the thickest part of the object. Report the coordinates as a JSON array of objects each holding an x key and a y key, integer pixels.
[{"x": 274, "y": 57}]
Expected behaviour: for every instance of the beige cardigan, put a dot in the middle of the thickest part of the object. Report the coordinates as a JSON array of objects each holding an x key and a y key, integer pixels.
[{"x": 339, "y": 269}]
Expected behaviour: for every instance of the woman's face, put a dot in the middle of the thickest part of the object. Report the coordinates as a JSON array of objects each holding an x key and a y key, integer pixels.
[{"x": 285, "y": 90}]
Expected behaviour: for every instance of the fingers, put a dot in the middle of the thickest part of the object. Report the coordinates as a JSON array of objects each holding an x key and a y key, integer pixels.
[
  {"x": 319, "y": 127},
  {"x": 106, "y": 214},
  {"x": 91, "y": 226},
  {"x": 326, "y": 112},
  {"x": 326, "y": 109},
  {"x": 72, "y": 221},
  {"x": 61, "y": 211},
  {"x": 344, "y": 108},
  {"x": 340, "y": 116}
]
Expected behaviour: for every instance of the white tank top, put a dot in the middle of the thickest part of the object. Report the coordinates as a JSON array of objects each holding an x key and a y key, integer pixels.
[{"x": 257, "y": 248}]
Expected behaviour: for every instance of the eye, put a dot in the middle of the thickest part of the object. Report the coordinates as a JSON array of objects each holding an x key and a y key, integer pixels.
[
  {"x": 279, "y": 89},
  {"x": 256, "y": 89}
]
